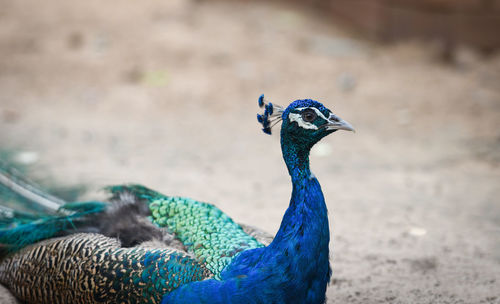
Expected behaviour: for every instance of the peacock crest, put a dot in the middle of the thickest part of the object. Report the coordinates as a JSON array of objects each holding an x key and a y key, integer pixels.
[
  {"x": 141, "y": 246},
  {"x": 271, "y": 116}
]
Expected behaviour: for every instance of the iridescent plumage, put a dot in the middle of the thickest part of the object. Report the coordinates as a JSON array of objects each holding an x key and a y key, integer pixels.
[
  {"x": 212, "y": 236},
  {"x": 91, "y": 268},
  {"x": 145, "y": 247}
]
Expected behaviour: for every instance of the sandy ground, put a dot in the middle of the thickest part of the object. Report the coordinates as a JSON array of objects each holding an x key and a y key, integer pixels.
[{"x": 164, "y": 93}]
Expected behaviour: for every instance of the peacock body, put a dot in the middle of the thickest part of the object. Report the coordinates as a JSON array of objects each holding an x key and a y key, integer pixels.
[{"x": 146, "y": 247}]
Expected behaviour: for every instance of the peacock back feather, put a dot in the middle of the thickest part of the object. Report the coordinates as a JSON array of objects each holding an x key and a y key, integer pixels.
[
  {"x": 212, "y": 236},
  {"x": 92, "y": 268},
  {"x": 55, "y": 256},
  {"x": 146, "y": 247}
]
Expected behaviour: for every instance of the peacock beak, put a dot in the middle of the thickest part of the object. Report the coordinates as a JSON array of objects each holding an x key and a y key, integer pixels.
[{"x": 337, "y": 123}]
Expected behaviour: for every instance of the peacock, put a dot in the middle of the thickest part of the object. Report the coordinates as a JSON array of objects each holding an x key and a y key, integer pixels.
[{"x": 142, "y": 246}]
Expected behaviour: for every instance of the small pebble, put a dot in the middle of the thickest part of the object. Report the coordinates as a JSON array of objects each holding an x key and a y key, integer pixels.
[{"x": 417, "y": 231}]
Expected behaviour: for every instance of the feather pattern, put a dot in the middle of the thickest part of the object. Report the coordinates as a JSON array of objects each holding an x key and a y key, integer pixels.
[
  {"x": 146, "y": 247},
  {"x": 92, "y": 268},
  {"x": 204, "y": 229},
  {"x": 295, "y": 267}
]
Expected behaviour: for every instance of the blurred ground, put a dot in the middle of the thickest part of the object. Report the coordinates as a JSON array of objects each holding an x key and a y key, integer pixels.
[{"x": 164, "y": 93}]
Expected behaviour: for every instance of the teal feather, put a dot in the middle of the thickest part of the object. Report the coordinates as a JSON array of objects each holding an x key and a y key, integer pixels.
[
  {"x": 25, "y": 228},
  {"x": 204, "y": 229},
  {"x": 146, "y": 247},
  {"x": 96, "y": 269},
  {"x": 16, "y": 191},
  {"x": 48, "y": 215},
  {"x": 147, "y": 273}
]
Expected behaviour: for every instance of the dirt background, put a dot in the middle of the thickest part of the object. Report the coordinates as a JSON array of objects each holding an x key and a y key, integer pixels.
[{"x": 164, "y": 93}]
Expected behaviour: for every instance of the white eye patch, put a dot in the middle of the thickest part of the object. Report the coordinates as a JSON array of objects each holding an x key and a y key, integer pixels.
[
  {"x": 303, "y": 124},
  {"x": 297, "y": 117}
]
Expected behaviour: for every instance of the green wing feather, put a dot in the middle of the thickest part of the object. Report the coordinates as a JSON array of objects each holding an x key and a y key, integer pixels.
[{"x": 213, "y": 237}]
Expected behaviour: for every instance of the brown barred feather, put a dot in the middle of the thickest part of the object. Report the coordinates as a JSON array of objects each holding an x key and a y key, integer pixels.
[{"x": 90, "y": 268}]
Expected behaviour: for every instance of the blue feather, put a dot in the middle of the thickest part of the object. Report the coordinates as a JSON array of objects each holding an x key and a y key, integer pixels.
[
  {"x": 295, "y": 267},
  {"x": 224, "y": 264},
  {"x": 261, "y": 100}
]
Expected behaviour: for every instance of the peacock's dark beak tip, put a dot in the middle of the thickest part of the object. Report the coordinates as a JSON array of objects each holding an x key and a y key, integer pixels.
[{"x": 337, "y": 123}]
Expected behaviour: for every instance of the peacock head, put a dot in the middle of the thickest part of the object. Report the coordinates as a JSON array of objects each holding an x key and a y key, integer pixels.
[{"x": 305, "y": 121}]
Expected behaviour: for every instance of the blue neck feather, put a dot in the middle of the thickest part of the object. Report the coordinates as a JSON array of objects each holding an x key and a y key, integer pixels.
[{"x": 294, "y": 268}]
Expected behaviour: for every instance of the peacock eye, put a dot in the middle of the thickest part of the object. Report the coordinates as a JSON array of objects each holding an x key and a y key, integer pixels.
[{"x": 309, "y": 115}]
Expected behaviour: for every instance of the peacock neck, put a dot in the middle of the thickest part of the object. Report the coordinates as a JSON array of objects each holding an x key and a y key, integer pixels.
[
  {"x": 307, "y": 210},
  {"x": 294, "y": 268},
  {"x": 303, "y": 238},
  {"x": 296, "y": 156}
]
